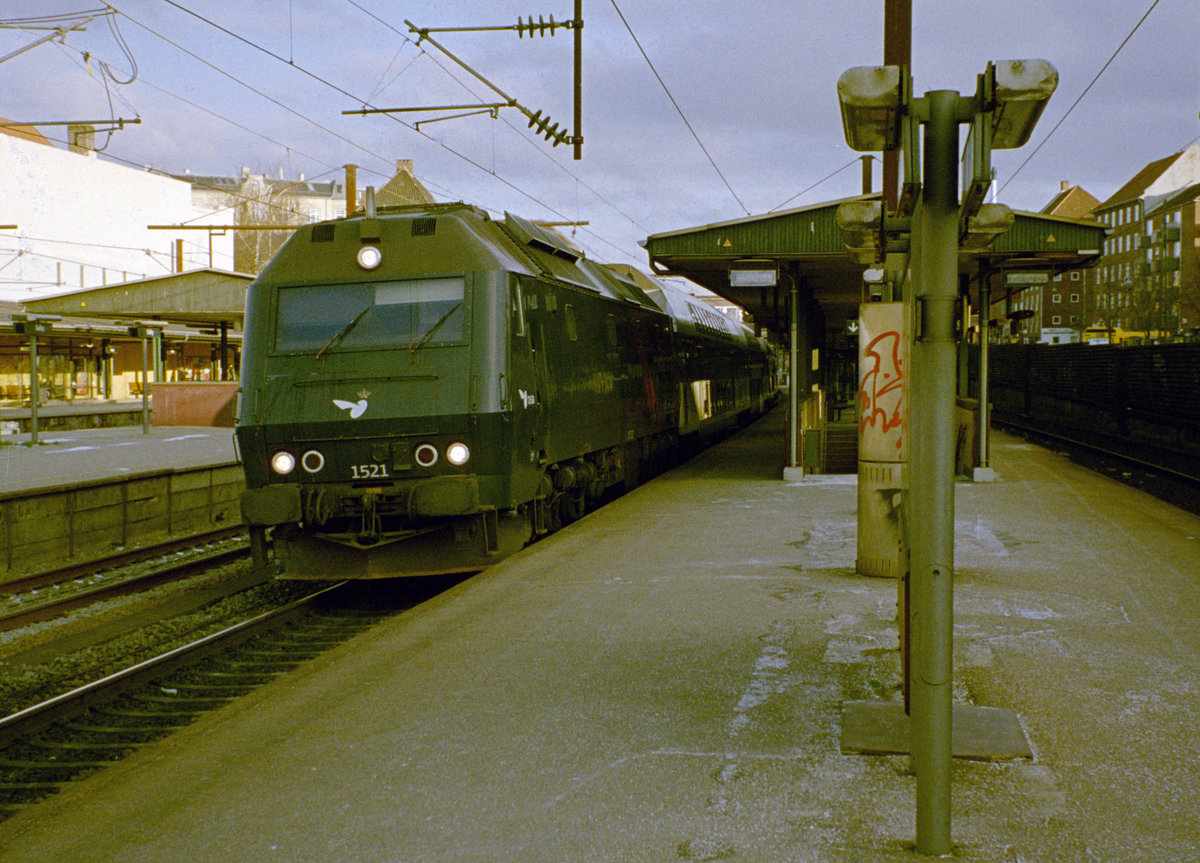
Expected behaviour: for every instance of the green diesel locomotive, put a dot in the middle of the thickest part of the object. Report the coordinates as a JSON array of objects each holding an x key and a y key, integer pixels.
[{"x": 425, "y": 389}]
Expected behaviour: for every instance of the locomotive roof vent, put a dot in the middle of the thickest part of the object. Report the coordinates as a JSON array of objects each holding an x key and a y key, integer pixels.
[
  {"x": 425, "y": 226},
  {"x": 540, "y": 238},
  {"x": 323, "y": 232}
]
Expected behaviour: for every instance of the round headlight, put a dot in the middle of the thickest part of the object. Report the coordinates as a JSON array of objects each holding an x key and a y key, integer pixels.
[
  {"x": 283, "y": 463},
  {"x": 312, "y": 461},
  {"x": 426, "y": 455},
  {"x": 458, "y": 453},
  {"x": 369, "y": 257}
]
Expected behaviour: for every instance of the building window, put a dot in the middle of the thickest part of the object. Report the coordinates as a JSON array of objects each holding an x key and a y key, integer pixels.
[
  {"x": 1074, "y": 298},
  {"x": 1056, "y": 319},
  {"x": 1075, "y": 275},
  {"x": 1056, "y": 298}
]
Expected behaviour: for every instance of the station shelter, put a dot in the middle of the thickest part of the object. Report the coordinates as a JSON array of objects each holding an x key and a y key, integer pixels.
[
  {"x": 792, "y": 272},
  {"x": 103, "y": 343}
]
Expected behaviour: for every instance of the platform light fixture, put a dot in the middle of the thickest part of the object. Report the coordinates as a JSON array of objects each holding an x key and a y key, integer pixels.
[
  {"x": 872, "y": 102},
  {"x": 1017, "y": 91},
  {"x": 861, "y": 224},
  {"x": 989, "y": 222},
  {"x": 34, "y": 325}
]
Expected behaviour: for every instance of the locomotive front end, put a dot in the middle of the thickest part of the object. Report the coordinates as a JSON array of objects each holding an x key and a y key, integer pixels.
[{"x": 374, "y": 429}]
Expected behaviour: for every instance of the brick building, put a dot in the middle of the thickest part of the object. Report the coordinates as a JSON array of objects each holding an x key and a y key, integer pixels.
[
  {"x": 1068, "y": 300},
  {"x": 1147, "y": 279}
]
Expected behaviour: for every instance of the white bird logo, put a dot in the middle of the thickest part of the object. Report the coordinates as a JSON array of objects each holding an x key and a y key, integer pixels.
[{"x": 357, "y": 408}]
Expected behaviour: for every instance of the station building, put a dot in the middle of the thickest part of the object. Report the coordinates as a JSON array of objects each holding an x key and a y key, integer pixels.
[{"x": 94, "y": 248}]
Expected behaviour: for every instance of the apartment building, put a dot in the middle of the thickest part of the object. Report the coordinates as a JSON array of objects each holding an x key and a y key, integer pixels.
[{"x": 1147, "y": 279}]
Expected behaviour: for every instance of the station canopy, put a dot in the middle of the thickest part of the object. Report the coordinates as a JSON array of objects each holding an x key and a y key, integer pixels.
[
  {"x": 806, "y": 244},
  {"x": 203, "y": 298}
]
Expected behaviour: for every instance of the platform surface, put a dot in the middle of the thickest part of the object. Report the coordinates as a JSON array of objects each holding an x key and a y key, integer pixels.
[
  {"x": 63, "y": 457},
  {"x": 665, "y": 680}
]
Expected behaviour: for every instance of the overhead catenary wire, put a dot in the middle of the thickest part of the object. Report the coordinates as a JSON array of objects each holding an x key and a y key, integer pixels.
[
  {"x": 827, "y": 177},
  {"x": 1079, "y": 98},
  {"x": 663, "y": 84},
  {"x": 338, "y": 89},
  {"x": 541, "y": 150},
  {"x": 533, "y": 143},
  {"x": 354, "y": 97}
]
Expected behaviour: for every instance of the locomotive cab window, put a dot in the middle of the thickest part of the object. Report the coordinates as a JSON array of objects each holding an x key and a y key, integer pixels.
[{"x": 375, "y": 315}]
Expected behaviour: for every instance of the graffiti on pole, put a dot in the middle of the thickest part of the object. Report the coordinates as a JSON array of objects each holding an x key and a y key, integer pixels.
[{"x": 883, "y": 383}]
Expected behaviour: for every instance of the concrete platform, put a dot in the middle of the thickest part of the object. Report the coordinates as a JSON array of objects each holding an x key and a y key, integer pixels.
[
  {"x": 664, "y": 681},
  {"x": 75, "y": 455}
]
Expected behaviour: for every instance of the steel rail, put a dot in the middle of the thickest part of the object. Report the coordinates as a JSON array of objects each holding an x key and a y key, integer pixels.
[
  {"x": 39, "y": 716},
  {"x": 60, "y": 605},
  {"x": 1041, "y": 431},
  {"x": 37, "y": 580}
]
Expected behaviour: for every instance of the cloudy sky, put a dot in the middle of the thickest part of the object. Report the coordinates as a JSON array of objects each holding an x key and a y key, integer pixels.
[{"x": 263, "y": 84}]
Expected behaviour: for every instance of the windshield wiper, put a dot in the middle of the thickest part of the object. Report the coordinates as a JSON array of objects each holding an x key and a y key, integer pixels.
[
  {"x": 418, "y": 342},
  {"x": 344, "y": 331}
]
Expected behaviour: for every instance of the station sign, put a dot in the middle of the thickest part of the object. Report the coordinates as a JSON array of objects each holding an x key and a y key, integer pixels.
[{"x": 1027, "y": 278}]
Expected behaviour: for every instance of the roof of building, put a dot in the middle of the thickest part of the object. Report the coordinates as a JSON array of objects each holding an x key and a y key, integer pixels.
[
  {"x": 29, "y": 133},
  {"x": 1071, "y": 201},
  {"x": 1175, "y": 198},
  {"x": 808, "y": 241},
  {"x": 233, "y": 184},
  {"x": 203, "y": 297},
  {"x": 403, "y": 189},
  {"x": 1140, "y": 181}
]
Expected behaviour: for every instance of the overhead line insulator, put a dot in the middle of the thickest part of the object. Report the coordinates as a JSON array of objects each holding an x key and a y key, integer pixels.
[
  {"x": 541, "y": 26},
  {"x": 550, "y": 132}
]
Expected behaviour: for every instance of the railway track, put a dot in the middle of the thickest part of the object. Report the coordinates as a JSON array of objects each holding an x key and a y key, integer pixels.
[
  {"x": 48, "y": 745},
  {"x": 43, "y": 596},
  {"x": 1179, "y": 488}
]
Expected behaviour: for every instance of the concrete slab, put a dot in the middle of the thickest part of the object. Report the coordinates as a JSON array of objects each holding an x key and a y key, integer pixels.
[
  {"x": 978, "y": 733},
  {"x": 70, "y": 456}
]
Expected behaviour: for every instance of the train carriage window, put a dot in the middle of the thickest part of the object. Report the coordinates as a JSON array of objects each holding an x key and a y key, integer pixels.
[
  {"x": 382, "y": 314},
  {"x": 572, "y": 330},
  {"x": 518, "y": 311}
]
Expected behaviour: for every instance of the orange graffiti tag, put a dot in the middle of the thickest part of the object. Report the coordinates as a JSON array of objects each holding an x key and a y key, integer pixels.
[{"x": 881, "y": 391}]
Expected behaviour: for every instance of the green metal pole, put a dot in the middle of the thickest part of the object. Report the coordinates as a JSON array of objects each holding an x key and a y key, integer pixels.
[
  {"x": 35, "y": 392},
  {"x": 145, "y": 385},
  {"x": 985, "y": 421},
  {"x": 932, "y": 488},
  {"x": 794, "y": 458}
]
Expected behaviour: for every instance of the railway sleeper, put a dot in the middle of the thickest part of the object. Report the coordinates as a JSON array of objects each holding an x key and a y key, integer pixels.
[
  {"x": 32, "y": 786},
  {"x": 117, "y": 729},
  {"x": 209, "y": 702},
  {"x": 86, "y": 746},
  {"x": 164, "y": 714},
  {"x": 54, "y": 766}
]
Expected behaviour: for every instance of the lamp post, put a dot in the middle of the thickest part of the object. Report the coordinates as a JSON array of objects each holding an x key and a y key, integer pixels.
[
  {"x": 879, "y": 113},
  {"x": 147, "y": 331},
  {"x": 33, "y": 326}
]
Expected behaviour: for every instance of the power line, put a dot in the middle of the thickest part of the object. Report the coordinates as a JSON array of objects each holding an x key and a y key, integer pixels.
[
  {"x": 256, "y": 91},
  {"x": 540, "y": 150},
  {"x": 355, "y": 98},
  {"x": 1080, "y": 97},
  {"x": 677, "y": 108},
  {"x": 338, "y": 89},
  {"x": 814, "y": 185}
]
